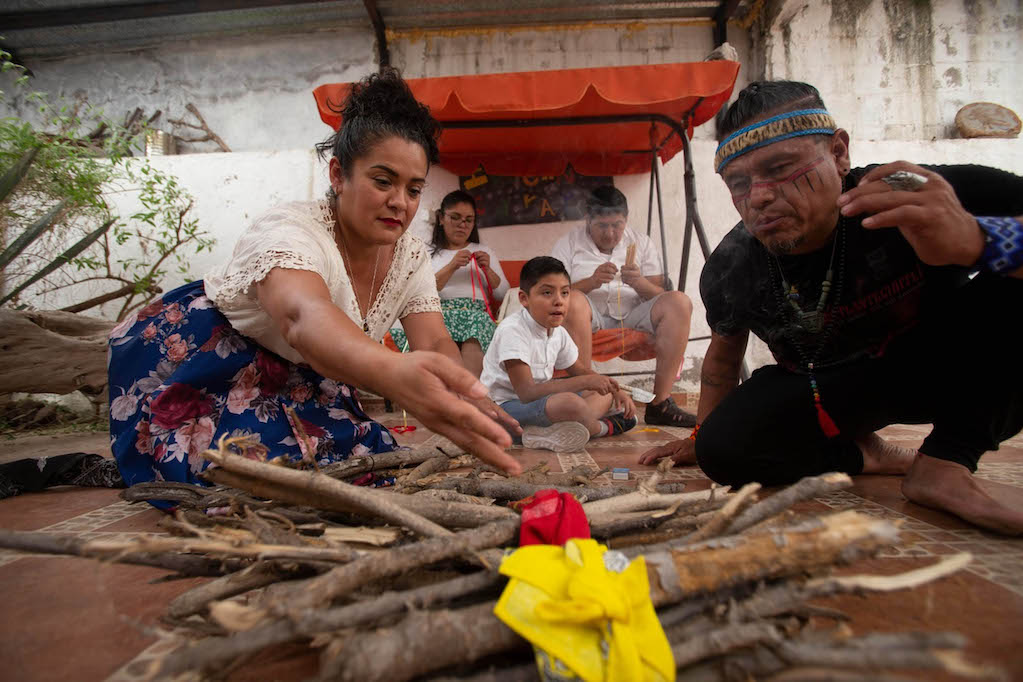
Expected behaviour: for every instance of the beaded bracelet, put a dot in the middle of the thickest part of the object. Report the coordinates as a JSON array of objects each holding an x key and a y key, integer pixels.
[
  {"x": 1003, "y": 244},
  {"x": 696, "y": 429}
]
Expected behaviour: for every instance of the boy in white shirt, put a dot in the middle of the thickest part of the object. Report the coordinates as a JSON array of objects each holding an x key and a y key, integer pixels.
[{"x": 518, "y": 369}]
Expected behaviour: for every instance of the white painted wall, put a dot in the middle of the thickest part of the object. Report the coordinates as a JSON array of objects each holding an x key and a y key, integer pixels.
[{"x": 898, "y": 70}]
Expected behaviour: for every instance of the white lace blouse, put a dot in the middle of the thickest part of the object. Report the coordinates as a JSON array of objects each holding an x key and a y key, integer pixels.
[{"x": 300, "y": 236}]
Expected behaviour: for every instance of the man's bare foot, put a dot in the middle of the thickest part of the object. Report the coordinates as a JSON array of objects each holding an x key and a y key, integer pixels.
[
  {"x": 882, "y": 457},
  {"x": 950, "y": 487}
]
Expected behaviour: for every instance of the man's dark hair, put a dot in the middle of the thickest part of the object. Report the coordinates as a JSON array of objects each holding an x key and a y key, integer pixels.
[
  {"x": 606, "y": 200},
  {"x": 768, "y": 97},
  {"x": 377, "y": 107},
  {"x": 440, "y": 240},
  {"x": 535, "y": 268}
]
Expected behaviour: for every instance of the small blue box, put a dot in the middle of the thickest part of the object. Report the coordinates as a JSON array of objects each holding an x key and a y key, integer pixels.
[{"x": 620, "y": 474}]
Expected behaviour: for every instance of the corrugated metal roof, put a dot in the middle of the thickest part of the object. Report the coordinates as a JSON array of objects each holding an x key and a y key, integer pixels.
[{"x": 50, "y": 28}]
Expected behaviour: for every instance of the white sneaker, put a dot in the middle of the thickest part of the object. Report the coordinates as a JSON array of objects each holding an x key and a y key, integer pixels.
[{"x": 561, "y": 437}]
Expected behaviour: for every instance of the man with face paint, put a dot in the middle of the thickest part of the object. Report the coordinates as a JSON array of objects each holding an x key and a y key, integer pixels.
[{"x": 887, "y": 294}]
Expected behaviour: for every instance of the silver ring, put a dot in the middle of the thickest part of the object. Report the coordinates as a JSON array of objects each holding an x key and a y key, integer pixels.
[{"x": 904, "y": 181}]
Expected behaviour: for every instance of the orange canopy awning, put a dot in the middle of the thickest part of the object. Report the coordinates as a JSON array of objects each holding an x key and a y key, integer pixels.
[{"x": 697, "y": 89}]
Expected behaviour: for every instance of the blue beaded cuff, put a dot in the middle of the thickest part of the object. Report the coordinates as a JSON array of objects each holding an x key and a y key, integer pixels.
[{"x": 1003, "y": 244}]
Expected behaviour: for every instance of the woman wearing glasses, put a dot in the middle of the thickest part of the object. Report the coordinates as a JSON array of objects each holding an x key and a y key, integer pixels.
[{"x": 467, "y": 273}]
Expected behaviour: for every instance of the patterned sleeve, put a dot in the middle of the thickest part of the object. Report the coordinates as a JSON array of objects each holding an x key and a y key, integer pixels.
[{"x": 285, "y": 237}]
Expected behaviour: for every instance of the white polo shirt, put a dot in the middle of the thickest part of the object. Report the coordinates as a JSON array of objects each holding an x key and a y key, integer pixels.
[
  {"x": 520, "y": 337},
  {"x": 581, "y": 257}
]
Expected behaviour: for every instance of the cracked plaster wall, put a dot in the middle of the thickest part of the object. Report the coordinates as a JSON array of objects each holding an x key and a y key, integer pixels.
[{"x": 899, "y": 69}]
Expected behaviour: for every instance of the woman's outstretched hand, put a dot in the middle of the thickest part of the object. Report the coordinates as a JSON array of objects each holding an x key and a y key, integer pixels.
[{"x": 431, "y": 387}]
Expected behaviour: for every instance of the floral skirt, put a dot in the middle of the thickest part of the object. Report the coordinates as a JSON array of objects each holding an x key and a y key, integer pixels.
[
  {"x": 181, "y": 377},
  {"x": 465, "y": 319}
]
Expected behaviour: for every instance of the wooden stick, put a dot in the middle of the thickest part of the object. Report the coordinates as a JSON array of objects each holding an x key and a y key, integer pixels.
[
  {"x": 723, "y": 518},
  {"x": 512, "y": 490},
  {"x": 210, "y": 653},
  {"x": 73, "y": 545},
  {"x": 723, "y": 640},
  {"x": 427, "y": 468},
  {"x": 804, "y": 489},
  {"x": 642, "y": 501},
  {"x": 311, "y": 482},
  {"x": 354, "y": 466},
  {"x": 453, "y": 514},
  {"x": 218, "y": 548},
  {"x": 345, "y": 579},
  {"x": 410, "y": 648},
  {"x": 255, "y": 576}
]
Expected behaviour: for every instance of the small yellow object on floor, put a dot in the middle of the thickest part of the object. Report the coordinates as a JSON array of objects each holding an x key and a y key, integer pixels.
[{"x": 585, "y": 609}]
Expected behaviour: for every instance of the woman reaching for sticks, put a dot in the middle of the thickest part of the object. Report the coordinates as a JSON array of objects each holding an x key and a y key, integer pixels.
[{"x": 295, "y": 317}]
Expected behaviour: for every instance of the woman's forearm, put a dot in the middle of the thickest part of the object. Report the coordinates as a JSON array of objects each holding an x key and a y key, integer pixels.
[
  {"x": 333, "y": 345},
  {"x": 444, "y": 275},
  {"x": 493, "y": 278}
]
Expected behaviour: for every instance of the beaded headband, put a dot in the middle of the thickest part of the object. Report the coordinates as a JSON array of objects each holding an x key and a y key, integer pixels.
[{"x": 770, "y": 130}]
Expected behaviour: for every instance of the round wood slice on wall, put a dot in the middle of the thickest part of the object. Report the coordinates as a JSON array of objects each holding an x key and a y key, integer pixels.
[{"x": 987, "y": 119}]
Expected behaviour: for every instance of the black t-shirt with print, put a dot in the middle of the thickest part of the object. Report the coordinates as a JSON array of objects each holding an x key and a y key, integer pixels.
[{"x": 884, "y": 289}]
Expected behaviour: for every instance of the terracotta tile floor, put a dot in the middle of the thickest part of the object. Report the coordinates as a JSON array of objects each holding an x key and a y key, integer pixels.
[{"x": 73, "y": 619}]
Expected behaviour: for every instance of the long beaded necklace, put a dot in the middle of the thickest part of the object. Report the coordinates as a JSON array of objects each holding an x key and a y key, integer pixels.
[
  {"x": 351, "y": 278},
  {"x": 811, "y": 320}
]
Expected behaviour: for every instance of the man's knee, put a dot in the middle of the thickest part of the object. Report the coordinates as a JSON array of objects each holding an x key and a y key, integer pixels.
[
  {"x": 720, "y": 455},
  {"x": 579, "y": 307},
  {"x": 672, "y": 305}
]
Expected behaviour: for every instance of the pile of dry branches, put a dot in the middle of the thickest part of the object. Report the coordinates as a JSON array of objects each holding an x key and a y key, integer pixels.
[{"x": 395, "y": 584}]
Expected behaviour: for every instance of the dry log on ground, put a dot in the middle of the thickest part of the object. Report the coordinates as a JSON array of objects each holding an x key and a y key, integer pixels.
[
  {"x": 680, "y": 573},
  {"x": 731, "y": 560},
  {"x": 52, "y": 352},
  {"x": 723, "y": 640},
  {"x": 73, "y": 545},
  {"x": 804, "y": 489},
  {"x": 345, "y": 579},
  {"x": 355, "y": 466},
  {"x": 643, "y": 501},
  {"x": 422, "y": 643},
  {"x": 255, "y": 576},
  {"x": 431, "y": 466},
  {"x": 512, "y": 490},
  {"x": 213, "y": 653},
  {"x": 219, "y": 548},
  {"x": 738, "y": 502},
  {"x": 310, "y": 483}
]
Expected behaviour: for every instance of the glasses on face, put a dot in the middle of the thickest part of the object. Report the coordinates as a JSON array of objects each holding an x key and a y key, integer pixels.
[{"x": 457, "y": 218}]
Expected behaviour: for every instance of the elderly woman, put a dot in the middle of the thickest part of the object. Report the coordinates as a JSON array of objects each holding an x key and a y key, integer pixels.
[
  {"x": 467, "y": 277},
  {"x": 294, "y": 320}
]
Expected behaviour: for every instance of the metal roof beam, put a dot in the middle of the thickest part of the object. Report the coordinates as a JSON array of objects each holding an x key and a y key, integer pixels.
[
  {"x": 13, "y": 21},
  {"x": 383, "y": 54},
  {"x": 723, "y": 13}
]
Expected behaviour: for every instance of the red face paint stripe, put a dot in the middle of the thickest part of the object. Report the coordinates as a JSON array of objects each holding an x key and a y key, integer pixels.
[{"x": 775, "y": 183}]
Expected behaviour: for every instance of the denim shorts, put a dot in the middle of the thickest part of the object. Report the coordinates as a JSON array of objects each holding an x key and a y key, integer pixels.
[{"x": 528, "y": 414}]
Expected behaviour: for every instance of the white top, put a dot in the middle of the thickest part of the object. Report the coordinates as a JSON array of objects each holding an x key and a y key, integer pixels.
[
  {"x": 460, "y": 284},
  {"x": 300, "y": 236},
  {"x": 520, "y": 337},
  {"x": 581, "y": 257}
]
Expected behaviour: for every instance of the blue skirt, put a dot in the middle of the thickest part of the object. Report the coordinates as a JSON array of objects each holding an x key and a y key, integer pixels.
[{"x": 181, "y": 377}]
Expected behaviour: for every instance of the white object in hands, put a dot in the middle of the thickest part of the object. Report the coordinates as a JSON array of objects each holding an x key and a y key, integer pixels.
[{"x": 638, "y": 394}]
